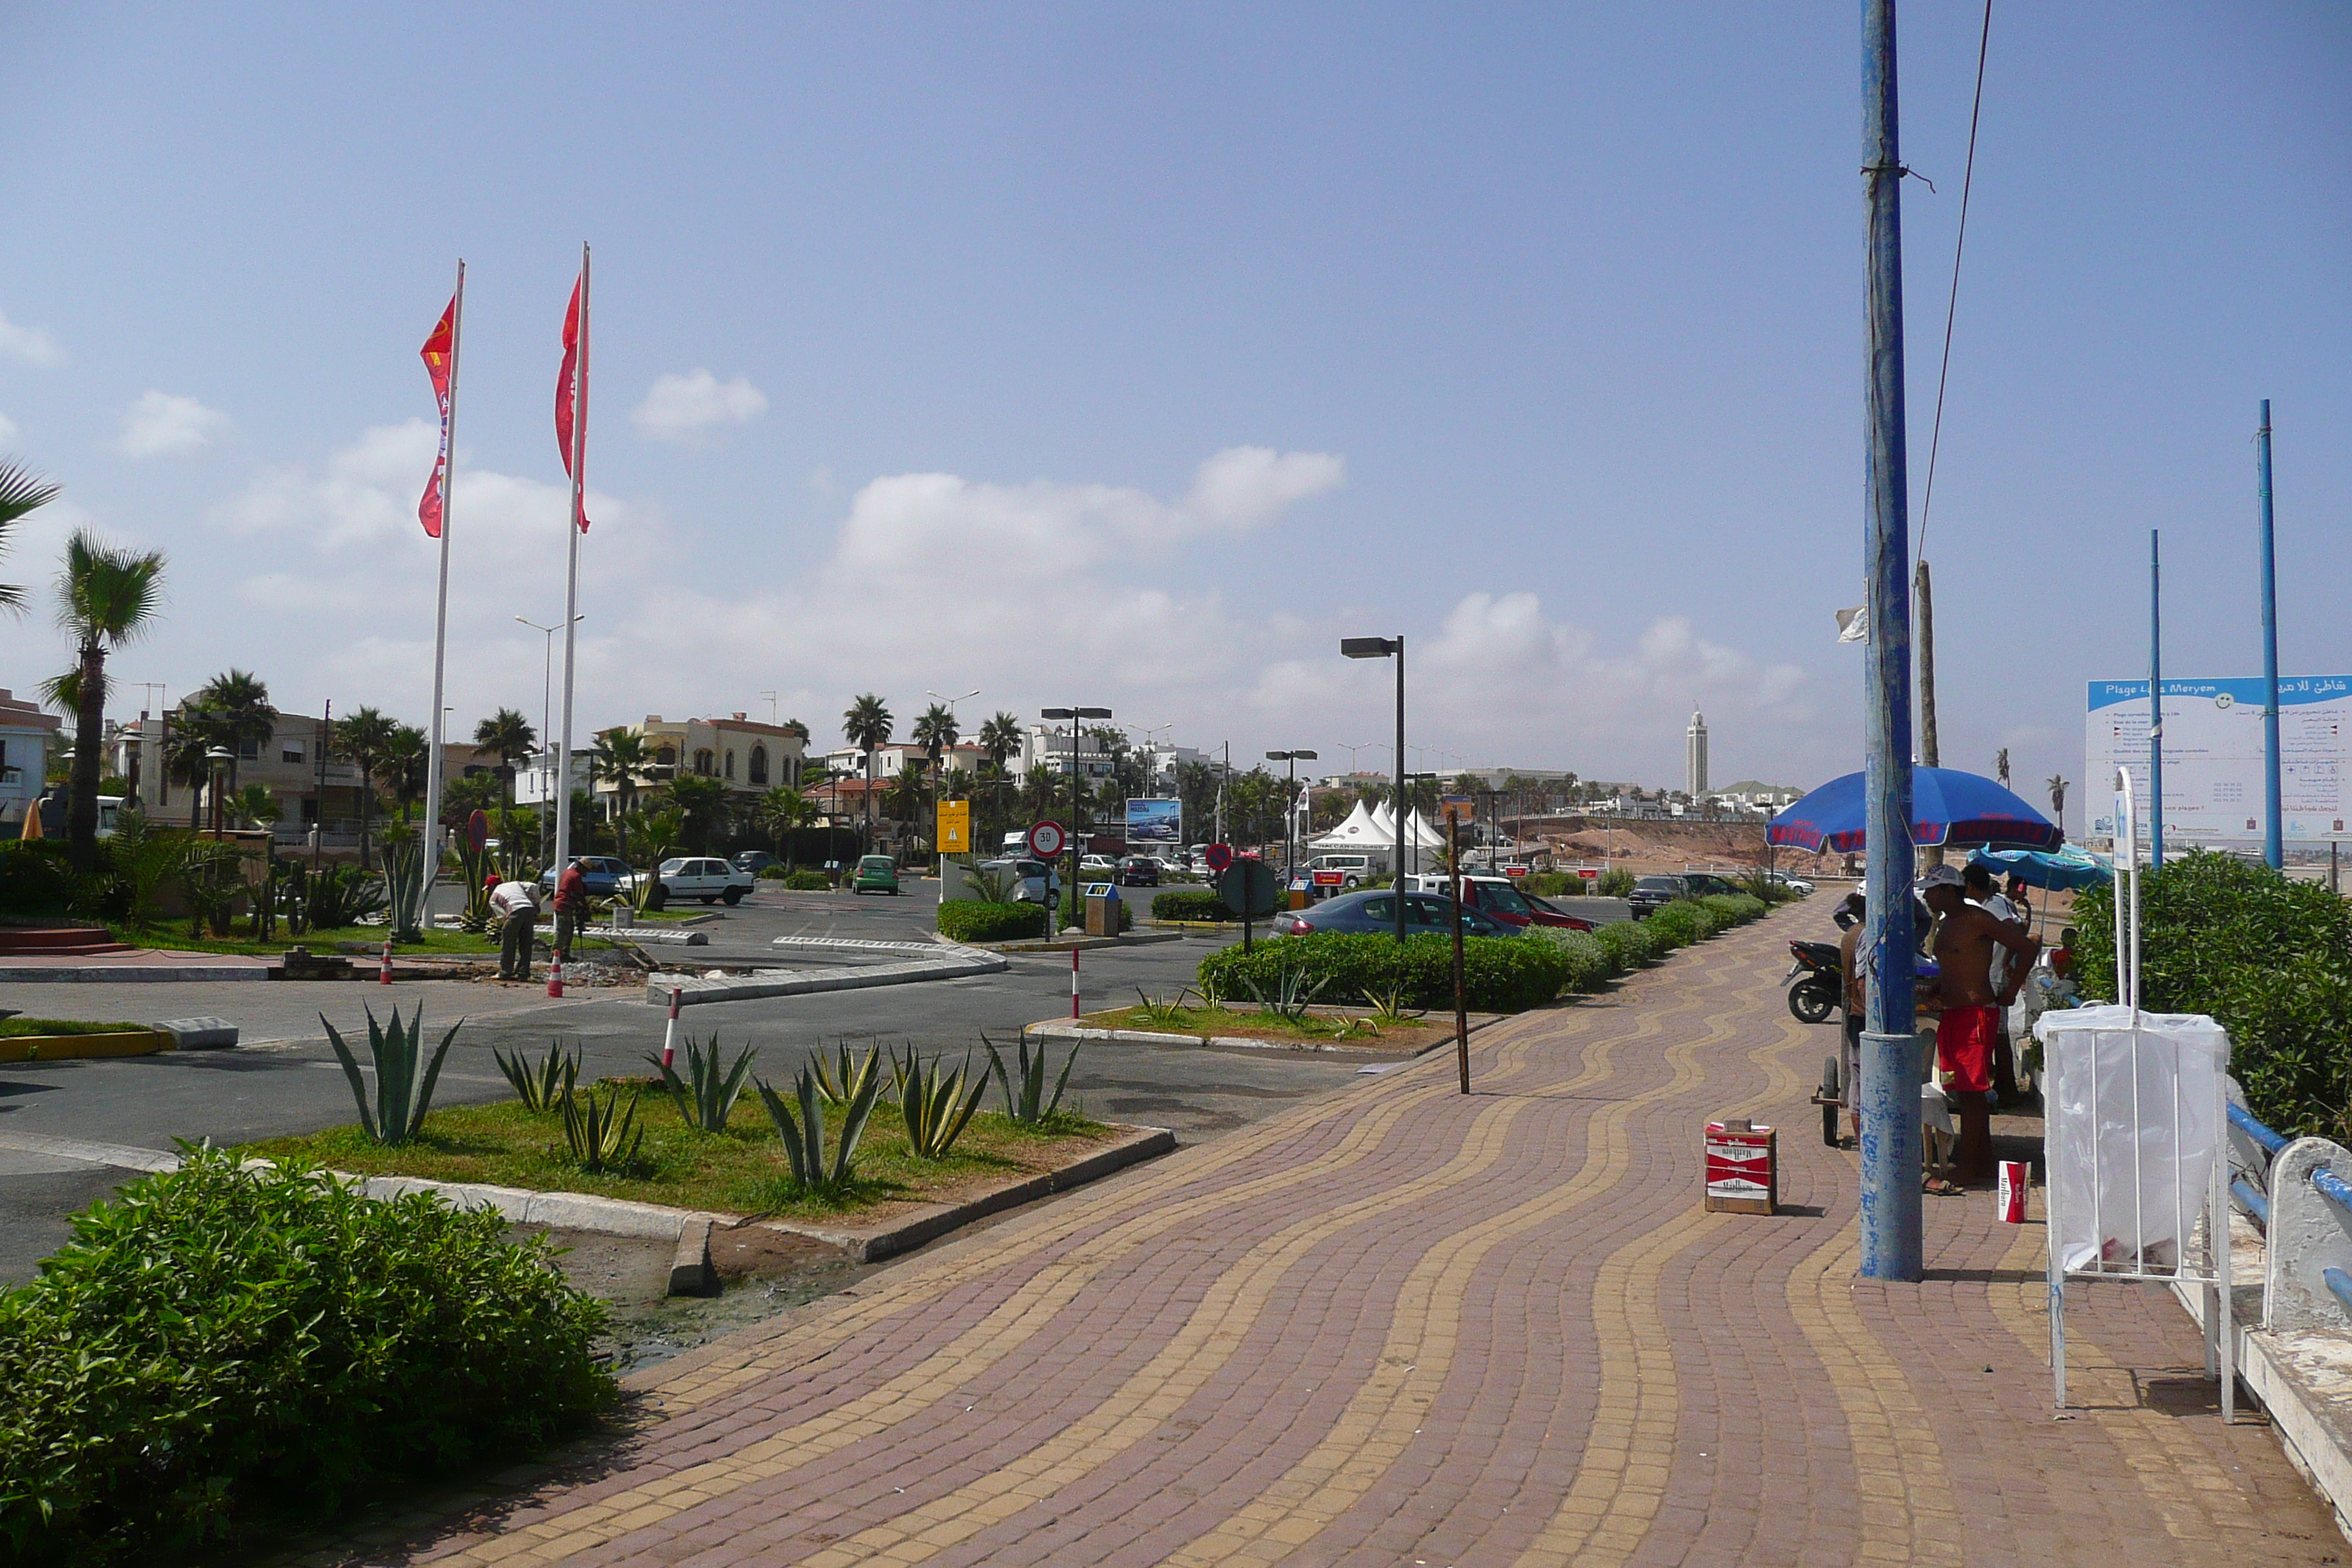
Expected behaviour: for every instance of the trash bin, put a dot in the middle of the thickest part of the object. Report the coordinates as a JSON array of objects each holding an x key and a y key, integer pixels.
[{"x": 1102, "y": 909}]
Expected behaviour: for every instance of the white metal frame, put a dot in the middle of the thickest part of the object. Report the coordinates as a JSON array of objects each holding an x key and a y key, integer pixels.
[{"x": 2220, "y": 1347}]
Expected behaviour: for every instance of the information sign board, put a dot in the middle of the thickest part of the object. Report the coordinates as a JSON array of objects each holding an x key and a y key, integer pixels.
[
  {"x": 2213, "y": 787},
  {"x": 955, "y": 826},
  {"x": 1154, "y": 821}
]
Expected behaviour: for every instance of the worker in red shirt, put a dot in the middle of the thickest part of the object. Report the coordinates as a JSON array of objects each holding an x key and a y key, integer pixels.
[{"x": 571, "y": 908}]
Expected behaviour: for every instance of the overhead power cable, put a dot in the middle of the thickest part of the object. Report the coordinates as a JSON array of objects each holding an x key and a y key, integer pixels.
[{"x": 1952, "y": 305}]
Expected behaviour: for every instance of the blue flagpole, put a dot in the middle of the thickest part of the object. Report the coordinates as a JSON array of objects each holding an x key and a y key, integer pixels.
[
  {"x": 2155, "y": 706},
  {"x": 2273, "y": 844}
]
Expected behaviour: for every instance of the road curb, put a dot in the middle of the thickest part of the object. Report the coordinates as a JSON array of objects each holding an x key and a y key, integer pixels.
[
  {"x": 102, "y": 973},
  {"x": 65, "y": 1048},
  {"x": 1069, "y": 1031},
  {"x": 693, "y": 990}
]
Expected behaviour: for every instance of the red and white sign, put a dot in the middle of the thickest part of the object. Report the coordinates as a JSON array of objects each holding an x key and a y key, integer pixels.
[
  {"x": 1590, "y": 873},
  {"x": 1331, "y": 878},
  {"x": 1220, "y": 855},
  {"x": 2016, "y": 1175},
  {"x": 1047, "y": 839},
  {"x": 1514, "y": 872},
  {"x": 1740, "y": 1174}
]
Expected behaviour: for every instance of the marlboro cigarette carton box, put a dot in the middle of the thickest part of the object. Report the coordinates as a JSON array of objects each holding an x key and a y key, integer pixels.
[{"x": 1743, "y": 1172}]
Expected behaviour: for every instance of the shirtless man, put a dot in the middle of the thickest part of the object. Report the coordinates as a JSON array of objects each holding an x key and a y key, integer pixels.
[{"x": 1965, "y": 944}]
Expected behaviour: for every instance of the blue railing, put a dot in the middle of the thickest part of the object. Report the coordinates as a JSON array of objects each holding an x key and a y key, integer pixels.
[
  {"x": 2244, "y": 1121},
  {"x": 2340, "y": 1283},
  {"x": 2248, "y": 1189},
  {"x": 2249, "y": 1197},
  {"x": 2334, "y": 1188}
]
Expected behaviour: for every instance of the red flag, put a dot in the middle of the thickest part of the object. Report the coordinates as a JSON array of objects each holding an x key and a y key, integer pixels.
[
  {"x": 564, "y": 389},
  {"x": 436, "y": 353}
]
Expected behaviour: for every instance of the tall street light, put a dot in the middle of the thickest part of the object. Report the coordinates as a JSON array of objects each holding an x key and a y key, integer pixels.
[
  {"x": 1073, "y": 715},
  {"x": 1384, "y": 647},
  {"x": 1290, "y": 809},
  {"x": 546, "y": 717}
]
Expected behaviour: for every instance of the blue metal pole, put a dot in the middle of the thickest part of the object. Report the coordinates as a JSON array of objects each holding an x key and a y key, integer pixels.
[
  {"x": 1890, "y": 1058},
  {"x": 2155, "y": 705},
  {"x": 2273, "y": 845}
]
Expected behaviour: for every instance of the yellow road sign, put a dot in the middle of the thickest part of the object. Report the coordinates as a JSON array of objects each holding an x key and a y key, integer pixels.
[{"x": 955, "y": 826}]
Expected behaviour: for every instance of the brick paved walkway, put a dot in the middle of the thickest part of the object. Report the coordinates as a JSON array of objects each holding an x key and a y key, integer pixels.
[{"x": 1398, "y": 1326}]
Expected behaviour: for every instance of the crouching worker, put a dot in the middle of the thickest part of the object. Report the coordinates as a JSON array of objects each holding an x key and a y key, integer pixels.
[{"x": 515, "y": 906}]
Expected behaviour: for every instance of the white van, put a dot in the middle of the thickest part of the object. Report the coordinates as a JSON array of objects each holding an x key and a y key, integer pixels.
[{"x": 1355, "y": 869}]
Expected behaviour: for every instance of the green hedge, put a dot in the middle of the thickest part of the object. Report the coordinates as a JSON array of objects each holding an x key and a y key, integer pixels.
[
  {"x": 1501, "y": 974},
  {"x": 221, "y": 1341},
  {"x": 1627, "y": 942},
  {"x": 963, "y": 919},
  {"x": 2269, "y": 959},
  {"x": 1552, "y": 884},
  {"x": 806, "y": 882},
  {"x": 1190, "y": 904},
  {"x": 1591, "y": 963},
  {"x": 34, "y": 877}
]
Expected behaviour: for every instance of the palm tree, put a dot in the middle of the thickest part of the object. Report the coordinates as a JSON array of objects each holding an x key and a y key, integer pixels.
[
  {"x": 2001, "y": 766},
  {"x": 798, "y": 731},
  {"x": 702, "y": 805},
  {"x": 2058, "y": 799},
  {"x": 866, "y": 725},
  {"x": 21, "y": 493},
  {"x": 906, "y": 797},
  {"x": 1000, "y": 737},
  {"x": 618, "y": 759},
  {"x": 106, "y": 597},
  {"x": 509, "y": 734},
  {"x": 404, "y": 763},
  {"x": 780, "y": 810},
  {"x": 365, "y": 736},
  {"x": 235, "y": 710},
  {"x": 184, "y": 764}
]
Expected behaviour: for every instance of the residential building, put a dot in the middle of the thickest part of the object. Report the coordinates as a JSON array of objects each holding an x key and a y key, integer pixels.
[
  {"x": 312, "y": 787},
  {"x": 848, "y": 762},
  {"x": 748, "y": 757},
  {"x": 1047, "y": 746},
  {"x": 29, "y": 738},
  {"x": 535, "y": 779}
]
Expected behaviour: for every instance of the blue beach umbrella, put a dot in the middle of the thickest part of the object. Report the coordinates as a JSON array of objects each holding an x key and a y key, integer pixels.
[
  {"x": 2067, "y": 867},
  {"x": 1947, "y": 807}
]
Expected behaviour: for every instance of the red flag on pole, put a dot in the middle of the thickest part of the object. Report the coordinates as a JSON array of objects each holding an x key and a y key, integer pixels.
[
  {"x": 436, "y": 353},
  {"x": 569, "y": 389}
]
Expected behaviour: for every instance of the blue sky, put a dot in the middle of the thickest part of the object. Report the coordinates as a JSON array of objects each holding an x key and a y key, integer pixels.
[{"x": 1133, "y": 354}]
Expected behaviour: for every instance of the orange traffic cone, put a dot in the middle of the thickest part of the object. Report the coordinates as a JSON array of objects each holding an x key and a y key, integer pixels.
[
  {"x": 383, "y": 976},
  {"x": 555, "y": 977}
]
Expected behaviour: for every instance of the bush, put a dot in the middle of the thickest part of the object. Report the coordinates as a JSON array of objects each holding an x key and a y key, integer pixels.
[
  {"x": 34, "y": 877},
  {"x": 770, "y": 874},
  {"x": 2269, "y": 959},
  {"x": 222, "y": 1340},
  {"x": 1552, "y": 885},
  {"x": 806, "y": 882},
  {"x": 1628, "y": 941},
  {"x": 1590, "y": 964},
  {"x": 966, "y": 919},
  {"x": 1501, "y": 974},
  {"x": 1190, "y": 904},
  {"x": 1735, "y": 908},
  {"x": 1615, "y": 883}
]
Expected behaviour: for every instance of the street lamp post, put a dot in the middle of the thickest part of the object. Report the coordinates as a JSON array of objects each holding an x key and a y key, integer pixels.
[
  {"x": 939, "y": 774},
  {"x": 546, "y": 717},
  {"x": 217, "y": 757},
  {"x": 1384, "y": 647},
  {"x": 1073, "y": 715},
  {"x": 1290, "y": 809}
]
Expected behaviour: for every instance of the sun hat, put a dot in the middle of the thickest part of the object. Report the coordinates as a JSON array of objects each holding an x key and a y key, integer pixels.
[{"x": 1940, "y": 877}]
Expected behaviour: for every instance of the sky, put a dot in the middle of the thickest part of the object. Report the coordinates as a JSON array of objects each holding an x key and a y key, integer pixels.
[{"x": 1131, "y": 355}]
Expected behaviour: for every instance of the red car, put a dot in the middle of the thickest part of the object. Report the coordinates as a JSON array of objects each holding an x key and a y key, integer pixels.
[{"x": 1499, "y": 898}]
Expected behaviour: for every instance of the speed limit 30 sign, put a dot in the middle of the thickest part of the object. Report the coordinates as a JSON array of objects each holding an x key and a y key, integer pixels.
[{"x": 1047, "y": 839}]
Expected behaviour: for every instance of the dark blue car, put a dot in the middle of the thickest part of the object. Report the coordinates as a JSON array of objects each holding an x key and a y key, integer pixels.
[
  {"x": 603, "y": 873},
  {"x": 1373, "y": 913}
]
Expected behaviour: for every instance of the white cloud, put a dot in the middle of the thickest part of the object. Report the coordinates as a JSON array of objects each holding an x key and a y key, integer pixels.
[
  {"x": 1242, "y": 486},
  {"x": 7, "y": 429},
  {"x": 28, "y": 345},
  {"x": 684, "y": 407},
  {"x": 165, "y": 424}
]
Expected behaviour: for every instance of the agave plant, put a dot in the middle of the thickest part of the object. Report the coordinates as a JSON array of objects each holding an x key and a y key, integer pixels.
[
  {"x": 934, "y": 1103},
  {"x": 544, "y": 1085},
  {"x": 803, "y": 1135},
  {"x": 474, "y": 865},
  {"x": 1170, "y": 1014},
  {"x": 843, "y": 1079},
  {"x": 1028, "y": 1104},
  {"x": 705, "y": 1095},
  {"x": 404, "y": 882},
  {"x": 1389, "y": 1007},
  {"x": 602, "y": 1134},
  {"x": 404, "y": 1079},
  {"x": 1291, "y": 995}
]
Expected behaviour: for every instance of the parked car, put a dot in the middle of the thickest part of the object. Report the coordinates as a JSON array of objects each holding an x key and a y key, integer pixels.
[
  {"x": 1502, "y": 899},
  {"x": 1706, "y": 884},
  {"x": 1651, "y": 894},
  {"x": 1374, "y": 911},
  {"x": 1138, "y": 871},
  {"x": 1796, "y": 885},
  {"x": 1102, "y": 863},
  {"x": 1354, "y": 871},
  {"x": 1034, "y": 882},
  {"x": 755, "y": 861},
  {"x": 692, "y": 876},
  {"x": 604, "y": 874},
  {"x": 874, "y": 874}
]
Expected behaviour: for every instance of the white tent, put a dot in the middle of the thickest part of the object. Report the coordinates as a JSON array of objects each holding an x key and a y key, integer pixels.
[
  {"x": 1421, "y": 834},
  {"x": 1357, "y": 833}
]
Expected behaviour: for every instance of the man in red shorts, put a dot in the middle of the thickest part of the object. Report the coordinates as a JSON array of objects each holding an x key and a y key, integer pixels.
[{"x": 1966, "y": 939}]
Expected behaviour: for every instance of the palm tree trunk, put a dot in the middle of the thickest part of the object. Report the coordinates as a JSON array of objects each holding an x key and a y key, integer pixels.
[{"x": 89, "y": 737}]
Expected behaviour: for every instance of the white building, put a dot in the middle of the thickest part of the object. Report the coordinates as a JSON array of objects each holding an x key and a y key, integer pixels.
[{"x": 27, "y": 739}]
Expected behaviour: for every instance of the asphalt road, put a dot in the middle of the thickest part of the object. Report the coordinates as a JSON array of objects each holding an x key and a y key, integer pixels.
[{"x": 283, "y": 1079}]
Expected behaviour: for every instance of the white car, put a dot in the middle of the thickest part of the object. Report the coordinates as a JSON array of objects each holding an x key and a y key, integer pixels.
[
  {"x": 1029, "y": 881},
  {"x": 706, "y": 877},
  {"x": 1102, "y": 863},
  {"x": 1796, "y": 885}
]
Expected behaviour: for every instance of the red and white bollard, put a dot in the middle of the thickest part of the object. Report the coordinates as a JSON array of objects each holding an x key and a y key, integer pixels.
[
  {"x": 1074, "y": 982},
  {"x": 669, "y": 1034},
  {"x": 555, "y": 976},
  {"x": 383, "y": 976}
]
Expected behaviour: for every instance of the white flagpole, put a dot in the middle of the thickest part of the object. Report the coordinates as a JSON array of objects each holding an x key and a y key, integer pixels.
[
  {"x": 441, "y": 612},
  {"x": 572, "y": 572}
]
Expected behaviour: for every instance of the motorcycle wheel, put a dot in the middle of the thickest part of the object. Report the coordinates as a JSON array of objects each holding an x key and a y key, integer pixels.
[{"x": 1812, "y": 1001}]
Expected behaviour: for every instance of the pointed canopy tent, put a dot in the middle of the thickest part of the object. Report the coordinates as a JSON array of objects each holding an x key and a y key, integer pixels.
[
  {"x": 1354, "y": 833},
  {"x": 1947, "y": 807}
]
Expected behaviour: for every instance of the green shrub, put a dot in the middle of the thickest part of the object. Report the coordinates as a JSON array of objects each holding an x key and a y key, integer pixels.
[
  {"x": 1552, "y": 884},
  {"x": 220, "y": 1339},
  {"x": 1628, "y": 941},
  {"x": 965, "y": 920},
  {"x": 1615, "y": 883},
  {"x": 1590, "y": 962},
  {"x": 772, "y": 874},
  {"x": 2269, "y": 959},
  {"x": 1735, "y": 908},
  {"x": 1501, "y": 974},
  {"x": 806, "y": 881},
  {"x": 1679, "y": 924},
  {"x": 34, "y": 877},
  {"x": 1190, "y": 904}
]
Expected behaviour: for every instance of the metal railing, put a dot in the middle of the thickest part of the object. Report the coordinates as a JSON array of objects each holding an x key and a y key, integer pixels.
[{"x": 2297, "y": 1192}]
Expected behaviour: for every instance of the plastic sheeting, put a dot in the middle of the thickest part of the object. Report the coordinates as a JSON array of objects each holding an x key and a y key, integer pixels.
[{"x": 2131, "y": 1148}]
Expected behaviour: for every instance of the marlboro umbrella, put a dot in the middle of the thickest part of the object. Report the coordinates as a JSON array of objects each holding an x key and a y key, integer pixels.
[{"x": 1947, "y": 807}]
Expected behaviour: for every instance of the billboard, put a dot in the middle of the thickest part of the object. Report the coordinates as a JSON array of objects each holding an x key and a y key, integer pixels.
[
  {"x": 2213, "y": 790},
  {"x": 1154, "y": 821}
]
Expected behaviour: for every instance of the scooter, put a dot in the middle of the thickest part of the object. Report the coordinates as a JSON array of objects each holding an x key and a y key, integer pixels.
[{"x": 1822, "y": 989}]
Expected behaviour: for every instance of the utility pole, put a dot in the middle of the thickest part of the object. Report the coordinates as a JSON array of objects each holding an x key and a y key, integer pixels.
[
  {"x": 1923, "y": 605},
  {"x": 2273, "y": 842},
  {"x": 1890, "y": 1217},
  {"x": 2155, "y": 706}
]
